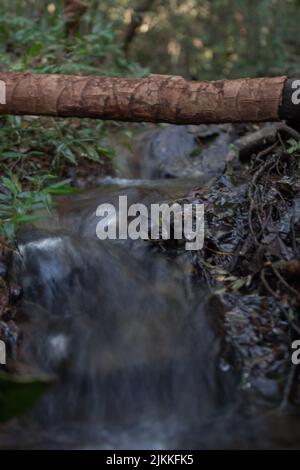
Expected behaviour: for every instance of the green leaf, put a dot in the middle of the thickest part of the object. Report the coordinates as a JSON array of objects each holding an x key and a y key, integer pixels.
[
  {"x": 17, "y": 395},
  {"x": 11, "y": 154},
  {"x": 35, "y": 49},
  {"x": 196, "y": 152},
  {"x": 91, "y": 153},
  {"x": 9, "y": 229},
  {"x": 61, "y": 190},
  {"x": 26, "y": 218},
  {"x": 294, "y": 148},
  {"x": 62, "y": 187},
  {"x": 9, "y": 184},
  {"x": 67, "y": 153}
]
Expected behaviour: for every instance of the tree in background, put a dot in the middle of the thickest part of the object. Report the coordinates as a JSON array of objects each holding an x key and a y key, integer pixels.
[
  {"x": 73, "y": 11},
  {"x": 137, "y": 18}
]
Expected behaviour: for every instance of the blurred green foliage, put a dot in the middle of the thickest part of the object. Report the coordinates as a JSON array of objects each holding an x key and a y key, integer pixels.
[
  {"x": 219, "y": 39},
  {"x": 195, "y": 38},
  {"x": 32, "y": 38}
]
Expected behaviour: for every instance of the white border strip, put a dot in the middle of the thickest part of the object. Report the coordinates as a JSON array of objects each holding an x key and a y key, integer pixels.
[{"x": 2, "y": 92}]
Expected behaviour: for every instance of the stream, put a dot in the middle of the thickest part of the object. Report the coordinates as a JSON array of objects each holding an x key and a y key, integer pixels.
[{"x": 126, "y": 331}]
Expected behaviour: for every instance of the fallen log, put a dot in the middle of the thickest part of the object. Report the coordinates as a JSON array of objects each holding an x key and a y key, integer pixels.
[{"x": 157, "y": 98}]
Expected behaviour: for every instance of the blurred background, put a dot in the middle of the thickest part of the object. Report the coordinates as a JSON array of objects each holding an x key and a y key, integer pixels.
[{"x": 198, "y": 39}]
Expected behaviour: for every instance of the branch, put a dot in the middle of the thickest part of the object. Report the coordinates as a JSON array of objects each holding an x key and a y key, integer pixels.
[{"x": 157, "y": 98}]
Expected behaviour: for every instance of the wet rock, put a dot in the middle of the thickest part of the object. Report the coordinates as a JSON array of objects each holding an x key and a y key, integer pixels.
[
  {"x": 15, "y": 293},
  {"x": 3, "y": 269},
  {"x": 184, "y": 151},
  {"x": 267, "y": 387}
]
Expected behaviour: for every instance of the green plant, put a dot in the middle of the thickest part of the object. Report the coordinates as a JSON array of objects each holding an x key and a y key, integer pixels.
[
  {"x": 18, "y": 205},
  {"x": 294, "y": 148},
  {"x": 37, "y": 153},
  {"x": 35, "y": 40},
  {"x": 18, "y": 394}
]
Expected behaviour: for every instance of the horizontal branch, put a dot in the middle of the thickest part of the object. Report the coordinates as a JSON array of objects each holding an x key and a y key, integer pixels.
[{"x": 157, "y": 98}]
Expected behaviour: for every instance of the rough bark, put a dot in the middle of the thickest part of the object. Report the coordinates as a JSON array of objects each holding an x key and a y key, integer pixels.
[
  {"x": 73, "y": 10},
  {"x": 158, "y": 98}
]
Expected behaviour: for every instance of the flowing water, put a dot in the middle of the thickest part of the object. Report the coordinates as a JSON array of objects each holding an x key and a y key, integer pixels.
[{"x": 126, "y": 334}]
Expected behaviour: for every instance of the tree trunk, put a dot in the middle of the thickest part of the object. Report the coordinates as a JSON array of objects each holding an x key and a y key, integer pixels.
[
  {"x": 157, "y": 98},
  {"x": 136, "y": 21},
  {"x": 73, "y": 10}
]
